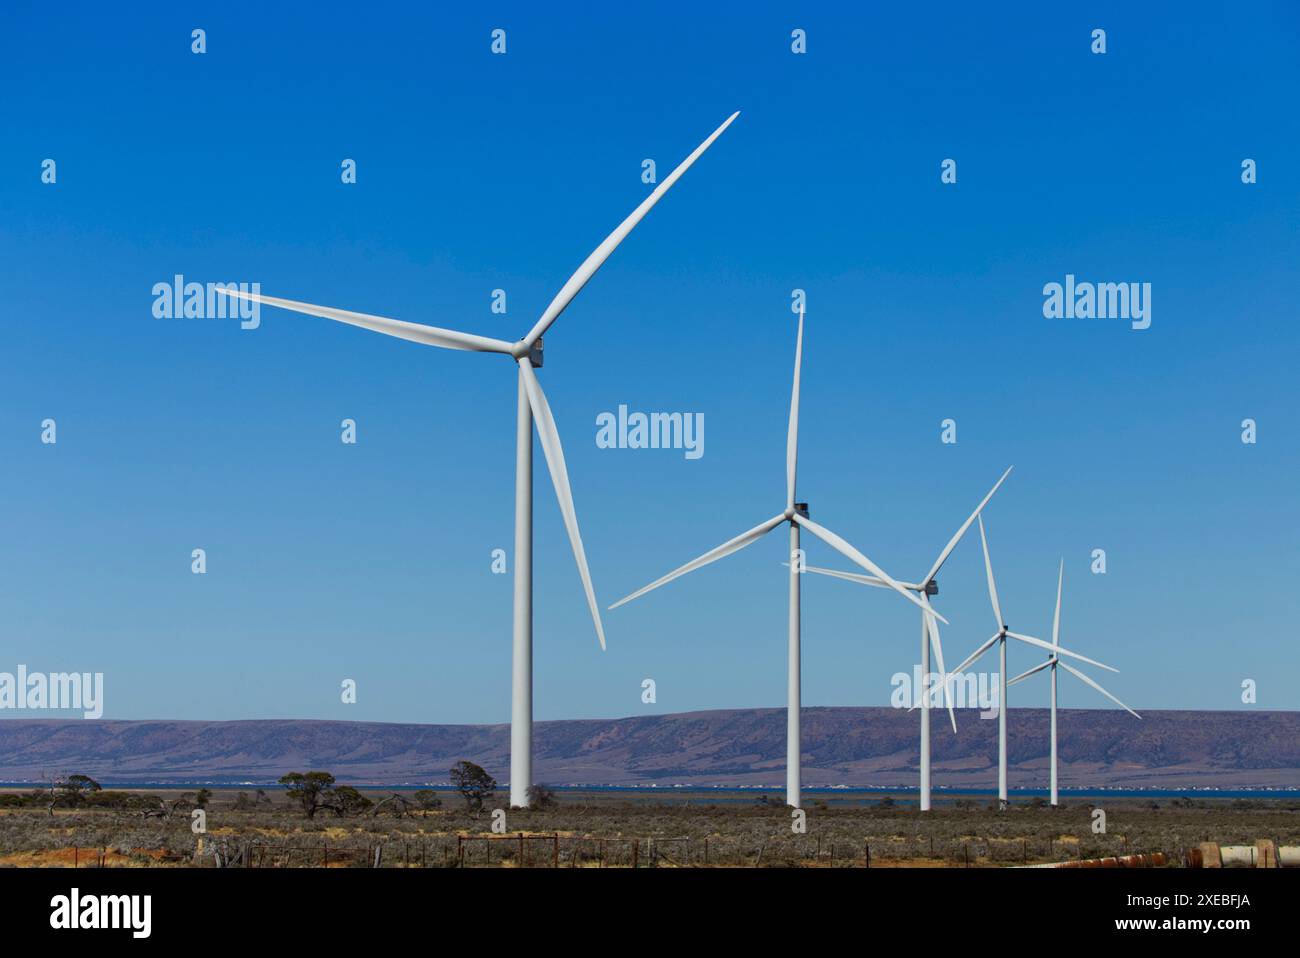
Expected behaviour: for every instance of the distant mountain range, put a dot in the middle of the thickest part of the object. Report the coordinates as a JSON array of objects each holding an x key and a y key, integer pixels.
[{"x": 848, "y": 746}]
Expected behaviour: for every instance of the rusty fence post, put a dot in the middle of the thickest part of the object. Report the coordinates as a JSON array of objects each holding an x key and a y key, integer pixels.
[{"x": 866, "y": 854}]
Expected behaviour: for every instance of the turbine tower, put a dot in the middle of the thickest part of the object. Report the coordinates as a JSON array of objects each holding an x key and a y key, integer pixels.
[
  {"x": 796, "y": 514},
  {"x": 532, "y": 410},
  {"x": 1000, "y": 638},
  {"x": 929, "y": 634},
  {"x": 1052, "y": 662}
]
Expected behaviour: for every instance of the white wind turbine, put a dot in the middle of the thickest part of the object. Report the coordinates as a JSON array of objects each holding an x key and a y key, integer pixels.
[
  {"x": 929, "y": 634},
  {"x": 532, "y": 408},
  {"x": 795, "y": 513},
  {"x": 1052, "y": 662},
  {"x": 1000, "y": 638}
]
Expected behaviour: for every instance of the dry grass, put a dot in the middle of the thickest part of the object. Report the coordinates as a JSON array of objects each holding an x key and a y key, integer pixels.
[{"x": 668, "y": 833}]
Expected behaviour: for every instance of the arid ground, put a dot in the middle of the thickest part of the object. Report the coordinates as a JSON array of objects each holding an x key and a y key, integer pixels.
[{"x": 252, "y": 828}]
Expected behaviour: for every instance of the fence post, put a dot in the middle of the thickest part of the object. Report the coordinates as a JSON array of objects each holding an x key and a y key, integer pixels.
[
  {"x": 521, "y": 849},
  {"x": 866, "y": 854},
  {"x": 636, "y": 847},
  {"x": 706, "y": 851},
  {"x": 555, "y": 852},
  {"x": 74, "y": 856}
]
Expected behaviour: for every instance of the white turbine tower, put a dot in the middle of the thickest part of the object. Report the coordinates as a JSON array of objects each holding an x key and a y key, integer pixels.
[
  {"x": 1000, "y": 638},
  {"x": 795, "y": 513},
  {"x": 532, "y": 409},
  {"x": 1052, "y": 662},
  {"x": 927, "y": 587}
]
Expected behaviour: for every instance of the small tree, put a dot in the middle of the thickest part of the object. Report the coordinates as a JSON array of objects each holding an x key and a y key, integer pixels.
[
  {"x": 73, "y": 788},
  {"x": 541, "y": 796},
  {"x": 474, "y": 784},
  {"x": 346, "y": 800},
  {"x": 427, "y": 800},
  {"x": 307, "y": 788},
  {"x": 201, "y": 800}
]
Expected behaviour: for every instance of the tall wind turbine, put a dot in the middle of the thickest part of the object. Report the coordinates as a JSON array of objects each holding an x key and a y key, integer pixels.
[
  {"x": 531, "y": 409},
  {"x": 927, "y": 587},
  {"x": 1000, "y": 638},
  {"x": 1052, "y": 662},
  {"x": 796, "y": 514}
]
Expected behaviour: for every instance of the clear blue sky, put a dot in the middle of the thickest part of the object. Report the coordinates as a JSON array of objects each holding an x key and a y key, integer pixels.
[{"x": 475, "y": 171}]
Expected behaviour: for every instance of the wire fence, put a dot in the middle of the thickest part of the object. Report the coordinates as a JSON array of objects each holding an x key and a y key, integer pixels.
[{"x": 521, "y": 850}]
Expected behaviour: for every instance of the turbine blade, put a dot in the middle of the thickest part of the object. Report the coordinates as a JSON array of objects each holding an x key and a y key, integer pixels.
[
  {"x": 952, "y": 543},
  {"x": 852, "y": 554},
  {"x": 792, "y": 436},
  {"x": 1057, "y": 650},
  {"x": 932, "y": 627},
  {"x": 415, "y": 332},
  {"x": 603, "y": 251},
  {"x": 713, "y": 555},
  {"x": 849, "y": 576},
  {"x": 988, "y": 571},
  {"x": 1056, "y": 619},
  {"x": 1026, "y": 674},
  {"x": 970, "y": 659},
  {"x": 550, "y": 439},
  {"x": 1079, "y": 675}
]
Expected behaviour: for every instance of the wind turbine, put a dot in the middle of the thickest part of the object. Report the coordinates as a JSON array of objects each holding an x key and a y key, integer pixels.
[
  {"x": 1052, "y": 662},
  {"x": 929, "y": 633},
  {"x": 532, "y": 409},
  {"x": 1000, "y": 638},
  {"x": 796, "y": 514}
]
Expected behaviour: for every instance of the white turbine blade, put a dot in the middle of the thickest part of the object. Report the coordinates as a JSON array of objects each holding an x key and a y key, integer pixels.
[
  {"x": 550, "y": 439},
  {"x": 932, "y": 627},
  {"x": 1079, "y": 675},
  {"x": 849, "y": 576},
  {"x": 1057, "y": 650},
  {"x": 713, "y": 555},
  {"x": 415, "y": 332},
  {"x": 853, "y": 555},
  {"x": 970, "y": 659},
  {"x": 988, "y": 571},
  {"x": 1026, "y": 674},
  {"x": 1056, "y": 619},
  {"x": 603, "y": 251},
  {"x": 952, "y": 543},
  {"x": 792, "y": 436}
]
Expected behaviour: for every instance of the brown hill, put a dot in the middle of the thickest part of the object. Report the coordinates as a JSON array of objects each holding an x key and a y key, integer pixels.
[{"x": 850, "y": 746}]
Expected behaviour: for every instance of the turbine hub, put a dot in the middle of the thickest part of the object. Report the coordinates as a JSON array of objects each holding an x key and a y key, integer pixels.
[
  {"x": 932, "y": 587},
  {"x": 534, "y": 353}
]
